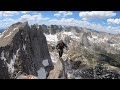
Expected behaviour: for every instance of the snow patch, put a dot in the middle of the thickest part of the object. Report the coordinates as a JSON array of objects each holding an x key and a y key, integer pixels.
[
  {"x": 6, "y": 31},
  {"x": 51, "y": 38},
  {"x": 2, "y": 56},
  {"x": 86, "y": 48},
  {"x": 71, "y": 35},
  {"x": 116, "y": 46},
  {"x": 113, "y": 45},
  {"x": 17, "y": 51},
  {"x": 69, "y": 75},
  {"x": 78, "y": 77},
  {"x": 38, "y": 27},
  {"x": 8, "y": 35},
  {"x": 41, "y": 73},
  {"x": 68, "y": 33},
  {"x": 53, "y": 57},
  {"x": 104, "y": 39},
  {"x": 95, "y": 37},
  {"x": 15, "y": 29},
  {"x": 45, "y": 62},
  {"x": 90, "y": 39},
  {"x": 24, "y": 47},
  {"x": 11, "y": 65},
  {"x": 3, "y": 32},
  {"x": 12, "y": 62}
]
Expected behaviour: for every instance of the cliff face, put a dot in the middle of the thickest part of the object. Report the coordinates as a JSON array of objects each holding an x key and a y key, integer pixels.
[{"x": 24, "y": 50}]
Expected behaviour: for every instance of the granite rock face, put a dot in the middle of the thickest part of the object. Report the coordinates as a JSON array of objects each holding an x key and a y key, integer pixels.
[{"x": 24, "y": 49}]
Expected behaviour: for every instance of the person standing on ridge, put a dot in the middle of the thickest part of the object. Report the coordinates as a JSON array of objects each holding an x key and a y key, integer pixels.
[{"x": 60, "y": 46}]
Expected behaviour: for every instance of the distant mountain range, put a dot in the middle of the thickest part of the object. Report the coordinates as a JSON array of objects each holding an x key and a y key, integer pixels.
[
  {"x": 91, "y": 55},
  {"x": 30, "y": 50},
  {"x": 1, "y": 30}
]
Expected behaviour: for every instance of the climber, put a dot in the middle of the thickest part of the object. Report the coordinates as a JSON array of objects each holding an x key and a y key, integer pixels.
[{"x": 60, "y": 46}]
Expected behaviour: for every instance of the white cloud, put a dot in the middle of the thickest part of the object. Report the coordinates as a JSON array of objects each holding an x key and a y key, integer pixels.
[
  {"x": 82, "y": 23},
  {"x": 72, "y": 22},
  {"x": 96, "y": 14},
  {"x": 63, "y": 21},
  {"x": 57, "y": 14},
  {"x": 25, "y": 12},
  {"x": 26, "y": 17},
  {"x": 8, "y": 13},
  {"x": 63, "y": 13},
  {"x": 113, "y": 21},
  {"x": 7, "y": 22},
  {"x": 36, "y": 17},
  {"x": 113, "y": 29}
]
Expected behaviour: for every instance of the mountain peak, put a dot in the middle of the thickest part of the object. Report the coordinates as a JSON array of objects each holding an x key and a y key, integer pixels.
[{"x": 23, "y": 49}]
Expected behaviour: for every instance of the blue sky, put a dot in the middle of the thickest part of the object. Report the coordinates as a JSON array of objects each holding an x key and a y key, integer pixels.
[{"x": 108, "y": 21}]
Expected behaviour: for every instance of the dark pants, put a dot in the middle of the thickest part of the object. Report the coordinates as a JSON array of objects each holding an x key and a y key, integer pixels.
[{"x": 60, "y": 52}]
